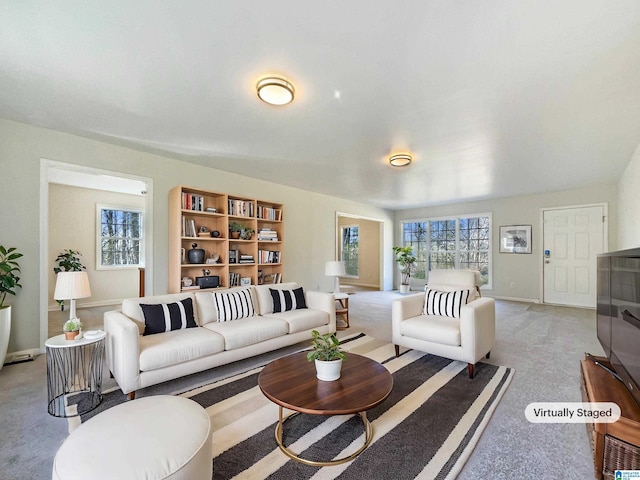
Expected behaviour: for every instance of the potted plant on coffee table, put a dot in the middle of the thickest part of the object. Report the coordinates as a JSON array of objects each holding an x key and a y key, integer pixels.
[
  {"x": 406, "y": 260},
  {"x": 327, "y": 354},
  {"x": 9, "y": 281}
]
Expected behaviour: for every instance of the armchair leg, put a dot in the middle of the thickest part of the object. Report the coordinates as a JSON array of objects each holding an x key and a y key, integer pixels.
[
  {"x": 470, "y": 368},
  {"x": 397, "y": 347},
  {"x": 488, "y": 354},
  {"x": 131, "y": 395}
]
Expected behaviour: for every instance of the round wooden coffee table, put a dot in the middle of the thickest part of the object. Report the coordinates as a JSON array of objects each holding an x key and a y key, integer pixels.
[{"x": 290, "y": 382}]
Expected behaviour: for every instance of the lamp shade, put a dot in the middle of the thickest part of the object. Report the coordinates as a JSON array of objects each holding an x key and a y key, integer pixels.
[
  {"x": 72, "y": 285},
  {"x": 334, "y": 268}
]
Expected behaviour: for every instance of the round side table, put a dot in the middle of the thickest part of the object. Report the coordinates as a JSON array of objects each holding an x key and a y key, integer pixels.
[{"x": 74, "y": 374}]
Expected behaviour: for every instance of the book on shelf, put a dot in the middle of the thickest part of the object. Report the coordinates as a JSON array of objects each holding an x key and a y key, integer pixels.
[
  {"x": 267, "y": 235},
  {"x": 270, "y": 213},
  {"x": 192, "y": 202},
  {"x": 234, "y": 279},
  {"x": 268, "y": 256},
  {"x": 192, "y": 287},
  {"x": 241, "y": 208},
  {"x": 188, "y": 227}
]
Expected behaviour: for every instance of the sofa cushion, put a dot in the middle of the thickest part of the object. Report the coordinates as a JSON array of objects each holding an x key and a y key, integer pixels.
[
  {"x": 300, "y": 320},
  {"x": 165, "y": 317},
  {"x": 432, "y": 328},
  {"x": 234, "y": 305},
  {"x": 263, "y": 295},
  {"x": 171, "y": 348},
  {"x": 285, "y": 300},
  {"x": 446, "y": 304},
  {"x": 131, "y": 306},
  {"x": 248, "y": 331},
  {"x": 206, "y": 306}
]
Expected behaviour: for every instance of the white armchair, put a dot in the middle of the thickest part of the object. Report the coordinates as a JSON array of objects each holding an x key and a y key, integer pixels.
[{"x": 467, "y": 338}]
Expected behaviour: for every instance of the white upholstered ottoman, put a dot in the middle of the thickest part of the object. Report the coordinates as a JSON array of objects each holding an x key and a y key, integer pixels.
[{"x": 149, "y": 438}]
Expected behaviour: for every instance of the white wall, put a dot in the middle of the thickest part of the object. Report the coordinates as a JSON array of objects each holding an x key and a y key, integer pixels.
[
  {"x": 522, "y": 270},
  {"x": 309, "y": 222},
  {"x": 72, "y": 225},
  {"x": 629, "y": 201}
]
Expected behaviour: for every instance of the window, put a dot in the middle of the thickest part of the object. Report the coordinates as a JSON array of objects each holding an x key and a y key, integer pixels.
[
  {"x": 459, "y": 242},
  {"x": 349, "y": 250},
  {"x": 120, "y": 237}
]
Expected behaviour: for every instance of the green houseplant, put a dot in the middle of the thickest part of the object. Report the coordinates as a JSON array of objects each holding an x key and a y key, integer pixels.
[
  {"x": 71, "y": 328},
  {"x": 9, "y": 282},
  {"x": 406, "y": 260},
  {"x": 247, "y": 233},
  {"x": 235, "y": 229},
  {"x": 327, "y": 354}
]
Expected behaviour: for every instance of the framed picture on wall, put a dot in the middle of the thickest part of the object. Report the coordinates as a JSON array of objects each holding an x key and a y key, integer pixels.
[{"x": 515, "y": 239}]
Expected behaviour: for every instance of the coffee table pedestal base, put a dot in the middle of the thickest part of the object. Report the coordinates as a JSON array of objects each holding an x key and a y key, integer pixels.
[{"x": 279, "y": 427}]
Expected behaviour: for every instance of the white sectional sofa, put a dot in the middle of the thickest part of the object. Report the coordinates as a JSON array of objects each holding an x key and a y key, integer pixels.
[{"x": 137, "y": 361}]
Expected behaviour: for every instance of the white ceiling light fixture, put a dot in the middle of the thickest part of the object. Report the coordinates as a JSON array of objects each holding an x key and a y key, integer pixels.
[
  {"x": 400, "y": 160},
  {"x": 275, "y": 91}
]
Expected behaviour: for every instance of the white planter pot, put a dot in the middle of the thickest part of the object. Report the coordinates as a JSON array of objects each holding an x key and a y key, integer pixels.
[
  {"x": 404, "y": 288},
  {"x": 328, "y": 371},
  {"x": 5, "y": 331}
]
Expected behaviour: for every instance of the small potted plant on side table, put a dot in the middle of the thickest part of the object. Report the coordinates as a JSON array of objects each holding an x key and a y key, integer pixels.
[
  {"x": 328, "y": 355},
  {"x": 71, "y": 328}
]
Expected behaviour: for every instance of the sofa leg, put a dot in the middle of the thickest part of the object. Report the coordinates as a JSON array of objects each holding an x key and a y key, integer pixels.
[
  {"x": 470, "y": 368},
  {"x": 488, "y": 354},
  {"x": 110, "y": 374},
  {"x": 397, "y": 347},
  {"x": 131, "y": 395}
]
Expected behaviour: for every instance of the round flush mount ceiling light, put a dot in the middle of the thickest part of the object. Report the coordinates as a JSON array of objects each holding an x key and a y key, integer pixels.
[
  {"x": 275, "y": 91},
  {"x": 400, "y": 160}
]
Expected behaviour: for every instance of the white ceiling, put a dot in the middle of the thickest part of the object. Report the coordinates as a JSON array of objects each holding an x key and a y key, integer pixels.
[{"x": 493, "y": 98}]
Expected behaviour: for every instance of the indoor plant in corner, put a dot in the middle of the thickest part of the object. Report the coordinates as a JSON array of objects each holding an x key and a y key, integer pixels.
[
  {"x": 9, "y": 281},
  {"x": 328, "y": 355},
  {"x": 406, "y": 260}
]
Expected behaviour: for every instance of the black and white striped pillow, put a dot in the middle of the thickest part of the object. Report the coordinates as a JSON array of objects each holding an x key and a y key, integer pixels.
[
  {"x": 165, "y": 317},
  {"x": 445, "y": 304},
  {"x": 285, "y": 300},
  {"x": 234, "y": 305}
]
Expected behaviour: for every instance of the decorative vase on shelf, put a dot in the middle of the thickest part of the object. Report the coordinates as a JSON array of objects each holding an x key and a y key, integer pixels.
[{"x": 195, "y": 255}]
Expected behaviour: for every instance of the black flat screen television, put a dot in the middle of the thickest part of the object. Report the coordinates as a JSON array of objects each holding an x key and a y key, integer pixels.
[{"x": 618, "y": 314}]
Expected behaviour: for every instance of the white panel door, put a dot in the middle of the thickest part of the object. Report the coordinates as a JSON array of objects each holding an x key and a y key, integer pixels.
[{"x": 573, "y": 237}]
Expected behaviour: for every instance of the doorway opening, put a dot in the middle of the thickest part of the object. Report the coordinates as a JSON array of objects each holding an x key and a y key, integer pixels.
[{"x": 69, "y": 196}]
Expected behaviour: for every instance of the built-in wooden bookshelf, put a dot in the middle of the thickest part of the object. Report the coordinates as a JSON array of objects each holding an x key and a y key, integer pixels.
[{"x": 203, "y": 217}]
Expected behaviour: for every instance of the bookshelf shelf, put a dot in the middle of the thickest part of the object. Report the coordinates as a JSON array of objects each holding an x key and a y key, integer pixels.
[{"x": 194, "y": 211}]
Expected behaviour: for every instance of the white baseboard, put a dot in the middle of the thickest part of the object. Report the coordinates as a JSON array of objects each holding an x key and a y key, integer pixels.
[
  {"x": 22, "y": 355},
  {"x": 515, "y": 299}
]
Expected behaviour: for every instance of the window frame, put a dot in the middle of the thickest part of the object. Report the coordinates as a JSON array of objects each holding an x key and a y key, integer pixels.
[
  {"x": 141, "y": 240},
  {"x": 342, "y": 229},
  {"x": 458, "y": 251}
]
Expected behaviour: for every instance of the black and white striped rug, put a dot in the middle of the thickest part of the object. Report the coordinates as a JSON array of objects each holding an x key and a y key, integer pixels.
[{"x": 426, "y": 428}]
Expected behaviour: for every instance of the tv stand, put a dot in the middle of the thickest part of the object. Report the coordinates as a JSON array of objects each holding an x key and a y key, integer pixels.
[{"x": 616, "y": 446}]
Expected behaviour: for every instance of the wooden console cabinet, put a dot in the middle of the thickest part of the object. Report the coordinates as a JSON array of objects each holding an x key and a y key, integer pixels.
[
  {"x": 194, "y": 214},
  {"x": 616, "y": 446}
]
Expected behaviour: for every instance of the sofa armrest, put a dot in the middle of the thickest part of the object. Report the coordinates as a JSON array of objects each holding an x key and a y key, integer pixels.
[
  {"x": 323, "y": 301},
  {"x": 123, "y": 349},
  {"x": 406, "y": 307},
  {"x": 478, "y": 326}
]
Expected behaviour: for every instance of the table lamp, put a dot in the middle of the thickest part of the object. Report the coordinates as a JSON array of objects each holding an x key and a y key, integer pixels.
[
  {"x": 334, "y": 268},
  {"x": 70, "y": 286}
]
